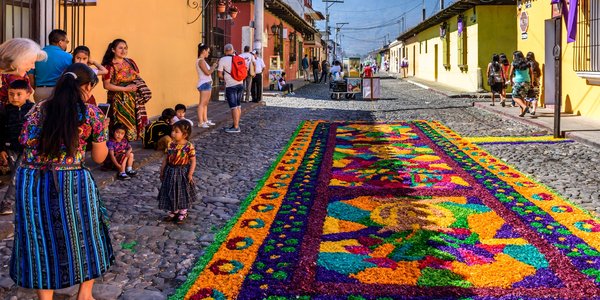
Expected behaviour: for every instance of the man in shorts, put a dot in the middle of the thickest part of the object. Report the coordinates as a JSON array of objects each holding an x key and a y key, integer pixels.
[{"x": 234, "y": 90}]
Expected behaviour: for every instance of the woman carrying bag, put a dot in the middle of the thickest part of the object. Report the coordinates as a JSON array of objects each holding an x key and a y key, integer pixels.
[{"x": 127, "y": 93}]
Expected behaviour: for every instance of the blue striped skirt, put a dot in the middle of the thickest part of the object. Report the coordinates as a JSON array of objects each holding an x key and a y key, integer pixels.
[{"x": 61, "y": 232}]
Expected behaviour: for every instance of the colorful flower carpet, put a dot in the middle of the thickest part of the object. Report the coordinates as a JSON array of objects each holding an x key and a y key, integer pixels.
[{"x": 406, "y": 210}]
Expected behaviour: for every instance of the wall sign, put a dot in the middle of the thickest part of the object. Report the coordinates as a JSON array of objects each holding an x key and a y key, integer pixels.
[{"x": 524, "y": 21}]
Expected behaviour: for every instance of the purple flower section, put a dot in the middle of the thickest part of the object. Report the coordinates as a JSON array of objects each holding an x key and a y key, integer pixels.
[
  {"x": 581, "y": 262},
  {"x": 354, "y": 235},
  {"x": 325, "y": 275},
  {"x": 526, "y": 142},
  {"x": 506, "y": 232},
  {"x": 542, "y": 278}
]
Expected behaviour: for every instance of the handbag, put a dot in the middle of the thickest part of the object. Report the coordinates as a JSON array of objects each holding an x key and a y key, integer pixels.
[
  {"x": 143, "y": 94},
  {"x": 252, "y": 70}
]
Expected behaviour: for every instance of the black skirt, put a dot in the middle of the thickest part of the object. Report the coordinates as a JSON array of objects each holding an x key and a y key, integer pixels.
[{"x": 176, "y": 192}]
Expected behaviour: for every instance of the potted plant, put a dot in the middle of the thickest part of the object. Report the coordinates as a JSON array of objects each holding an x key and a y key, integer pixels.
[
  {"x": 233, "y": 11},
  {"x": 221, "y": 7}
]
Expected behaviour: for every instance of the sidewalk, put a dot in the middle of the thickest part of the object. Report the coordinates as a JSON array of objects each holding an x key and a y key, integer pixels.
[
  {"x": 447, "y": 90},
  {"x": 578, "y": 128},
  {"x": 218, "y": 112}
]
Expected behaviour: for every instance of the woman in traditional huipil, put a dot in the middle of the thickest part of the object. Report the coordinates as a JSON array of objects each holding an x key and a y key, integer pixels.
[
  {"x": 122, "y": 71},
  {"x": 61, "y": 233}
]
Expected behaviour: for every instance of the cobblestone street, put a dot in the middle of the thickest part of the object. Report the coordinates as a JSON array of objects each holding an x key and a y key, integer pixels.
[{"x": 153, "y": 257}]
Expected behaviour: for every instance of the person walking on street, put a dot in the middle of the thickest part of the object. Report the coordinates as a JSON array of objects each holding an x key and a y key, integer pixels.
[
  {"x": 46, "y": 73},
  {"x": 305, "y": 67},
  {"x": 521, "y": 77},
  {"x": 257, "y": 80},
  {"x": 316, "y": 69},
  {"x": 506, "y": 70},
  {"x": 68, "y": 244},
  {"x": 204, "y": 85},
  {"x": 250, "y": 65},
  {"x": 324, "y": 71},
  {"x": 495, "y": 78},
  {"x": 234, "y": 89},
  {"x": 534, "y": 92}
]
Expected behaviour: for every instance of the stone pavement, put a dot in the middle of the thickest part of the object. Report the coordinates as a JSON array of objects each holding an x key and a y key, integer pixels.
[{"x": 154, "y": 257}]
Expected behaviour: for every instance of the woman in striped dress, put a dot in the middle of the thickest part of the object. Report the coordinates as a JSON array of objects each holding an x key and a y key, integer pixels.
[
  {"x": 61, "y": 232},
  {"x": 122, "y": 71}
]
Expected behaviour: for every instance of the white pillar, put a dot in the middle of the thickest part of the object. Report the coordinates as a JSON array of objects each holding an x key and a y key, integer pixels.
[{"x": 259, "y": 21}]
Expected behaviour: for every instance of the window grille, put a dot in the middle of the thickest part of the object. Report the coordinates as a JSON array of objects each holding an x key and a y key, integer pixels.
[
  {"x": 19, "y": 19},
  {"x": 587, "y": 44},
  {"x": 462, "y": 46},
  {"x": 446, "y": 47}
]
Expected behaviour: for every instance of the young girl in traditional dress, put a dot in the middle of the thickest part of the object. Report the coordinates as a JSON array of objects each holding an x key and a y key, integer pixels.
[{"x": 178, "y": 191}]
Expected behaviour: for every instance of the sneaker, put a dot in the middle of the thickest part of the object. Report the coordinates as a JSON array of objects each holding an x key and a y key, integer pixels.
[
  {"x": 210, "y": 123},
  {"x": 292, "y": 93},
  {"x": 203, "y": 125},
  {"x": 232, "y": 130},
  {"x": 5, "y": 208},
  {"x": 131, "y": 173},
  {"x": 123, "y": 176}
]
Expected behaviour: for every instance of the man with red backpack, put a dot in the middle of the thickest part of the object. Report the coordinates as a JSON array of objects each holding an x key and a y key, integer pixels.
[{"x": 232, "y": 68}]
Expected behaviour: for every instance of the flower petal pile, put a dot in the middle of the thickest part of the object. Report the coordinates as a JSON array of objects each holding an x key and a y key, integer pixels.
[{"x": 411, "y": 210}]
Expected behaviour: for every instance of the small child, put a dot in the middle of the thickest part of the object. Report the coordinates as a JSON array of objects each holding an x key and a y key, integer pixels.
[
  {"x": 285, "y": 87},
  {"x": 178, "y": 191},
  {"x": 81, "y": 54},
  {"x": 120, "y": 153},
  {"x": 180, "y": 114},
  {"x": 158, "y": 133},
  {"x": 12, "y": 116}
]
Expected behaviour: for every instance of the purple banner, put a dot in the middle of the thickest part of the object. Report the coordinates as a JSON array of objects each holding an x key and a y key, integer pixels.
[
  {"x": 460, "y": 25},
  {"x": 570, "y": 16}
]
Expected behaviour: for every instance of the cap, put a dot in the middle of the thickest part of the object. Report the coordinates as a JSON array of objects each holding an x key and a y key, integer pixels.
[{"x": 254, "y": 52}]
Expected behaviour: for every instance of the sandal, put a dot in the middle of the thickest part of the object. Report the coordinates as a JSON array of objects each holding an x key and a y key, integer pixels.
[
  {"x": 181, "y": 218},
  {"x": 170, "y": 217}
]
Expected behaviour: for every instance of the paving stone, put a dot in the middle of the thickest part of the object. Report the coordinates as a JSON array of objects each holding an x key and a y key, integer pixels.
[
  {"x": 6, "y": 282},
  {"x": 182, "y": 235},
  {"x": 150, "y": 231},
  {"x": 106, "y": 291},
  {"x": 6, "y": 230},
  {"x": 141, "y": 294}
]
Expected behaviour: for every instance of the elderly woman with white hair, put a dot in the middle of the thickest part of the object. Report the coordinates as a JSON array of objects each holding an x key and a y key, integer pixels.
[{"x": 18, "y": 56}]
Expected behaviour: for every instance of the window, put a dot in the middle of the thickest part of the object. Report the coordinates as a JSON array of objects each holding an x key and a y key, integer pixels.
[
  {"x": 445, "y": 35},
  {"x": 587, "y": 44},
  {"x": 462, "y": 44}
]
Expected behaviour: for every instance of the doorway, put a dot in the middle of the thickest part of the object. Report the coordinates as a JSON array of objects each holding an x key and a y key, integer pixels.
[
  {"x": 548, "y": 71},
  {"x": 435, "y": 62}
]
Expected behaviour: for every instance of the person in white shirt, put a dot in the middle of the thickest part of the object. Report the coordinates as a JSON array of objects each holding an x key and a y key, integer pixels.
[
  {"x": 234, "y": 90},
  {"x": 257, "y": 80},
  {"x": 284, "y": 86},
  {"x": 250, "y": 64},
  {"x": 180, "y": 110}
]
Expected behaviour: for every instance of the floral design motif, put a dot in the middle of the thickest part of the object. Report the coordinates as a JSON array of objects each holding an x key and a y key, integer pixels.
[{"x": 495, "y": 233}]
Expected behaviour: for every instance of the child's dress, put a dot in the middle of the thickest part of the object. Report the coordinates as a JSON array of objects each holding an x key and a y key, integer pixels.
[
  {"x": 119, "y": 149},
  {"x": 176, "y": 192}
]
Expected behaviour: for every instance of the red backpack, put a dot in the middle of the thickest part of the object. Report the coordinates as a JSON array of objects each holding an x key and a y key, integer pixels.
[{"x": 239, "y": 71}]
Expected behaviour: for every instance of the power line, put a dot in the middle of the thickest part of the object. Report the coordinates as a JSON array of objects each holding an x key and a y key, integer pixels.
[
  {"x": 362, "y": 40},
  {"x": 391, "y": 22}
]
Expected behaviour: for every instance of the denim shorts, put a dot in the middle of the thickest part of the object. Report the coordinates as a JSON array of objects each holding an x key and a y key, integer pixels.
[
  {"x": 233, "y": 95},
  {"x": 207, "y": 86}
]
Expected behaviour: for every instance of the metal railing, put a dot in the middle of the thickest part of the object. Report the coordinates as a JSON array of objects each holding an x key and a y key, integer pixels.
[
  {"x": 19, "y": 19},
  {"x": 71, "y": 18},
  {"x": 586, "y": 55}
]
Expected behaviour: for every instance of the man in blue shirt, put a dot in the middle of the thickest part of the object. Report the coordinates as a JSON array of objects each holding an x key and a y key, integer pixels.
[
  {"x": 305, "y": 67},
  {"x": 46, "y": 73}
]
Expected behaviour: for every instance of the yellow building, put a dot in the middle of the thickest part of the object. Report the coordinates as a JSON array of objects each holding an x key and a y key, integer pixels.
[
  {"x": 454, "y": 46},
  {"x": 162, "y": 37},
  {"x": 580, "y": 59}
]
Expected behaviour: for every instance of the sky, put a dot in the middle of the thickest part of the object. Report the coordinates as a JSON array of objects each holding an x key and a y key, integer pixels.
[{"x": 371, "y": 23}]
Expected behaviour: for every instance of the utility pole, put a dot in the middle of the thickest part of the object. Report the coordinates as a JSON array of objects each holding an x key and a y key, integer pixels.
[
  {"x": 259, "y": 18},
  {"x": 338, "y": 26},
  {"x": 328, "y": 4},
  {"x": 441, "y": 4},
  {"x": 424, "y": 14}
]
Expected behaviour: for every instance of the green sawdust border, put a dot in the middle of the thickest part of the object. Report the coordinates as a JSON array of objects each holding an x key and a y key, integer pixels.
[{"x": 222, "y": 235}]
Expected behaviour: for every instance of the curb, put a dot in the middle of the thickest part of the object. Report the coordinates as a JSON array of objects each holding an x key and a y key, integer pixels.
[
  {"x": 529, "y": 121},
  {"x": 476, "y": 95}
]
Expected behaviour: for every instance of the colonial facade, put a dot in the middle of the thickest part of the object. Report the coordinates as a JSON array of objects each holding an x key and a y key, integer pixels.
[
  {"x": 580, "y": 51},
  {"x": 455, "y": 45},
  {"x": 162, "y": 38}
]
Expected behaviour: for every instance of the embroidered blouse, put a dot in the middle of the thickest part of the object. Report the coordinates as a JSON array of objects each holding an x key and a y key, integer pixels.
[
  {"x": 92, "y": 126},
  {"x": 180, "y": 154},
  {"x": 118, "y": 147},
  {"x": 121, "y": 73}
]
